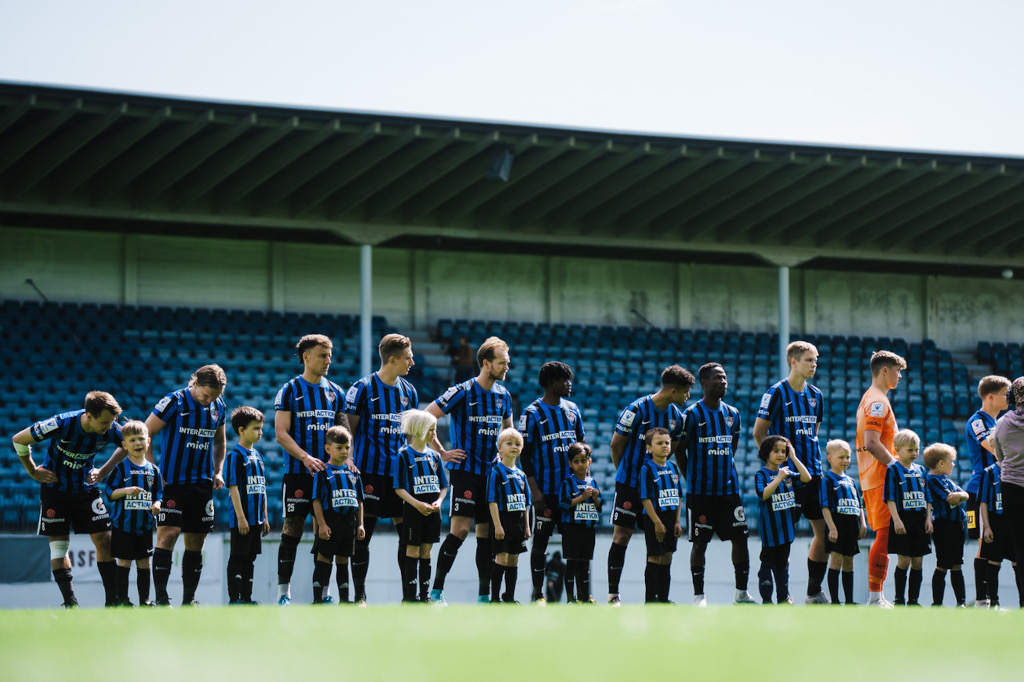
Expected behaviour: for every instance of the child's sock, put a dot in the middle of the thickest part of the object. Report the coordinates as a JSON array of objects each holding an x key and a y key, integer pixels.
[
  {"x": 361, "y": 557},
  {"x": 234, "y": 579},
  {"x": 938, "y": 587},
  {"x": 1018, "y": 575},
  {"x": 616, "y": 561},
  {"x": 142, "y": 582},
  {"x": 250, "y": 569},
  {"x": 651, "y": 574},
  {"x": 764, "y": 582},
  {"x": 900, "y": 575},
  {"x": 848, "y": 586},
  {"x": 570, "y": 580},
  {"x": 664, "y": 582},
  {"x": 511, "y": 576},
  {"x": 914, "y": 586},
  {"x": 956, "y": 579},
  {"x": 833, "y": 585},
  {"x": 123, "y": 573},
  {"x": 781, "y": 572},
  {"x": 424, "y": 576},
  {"x": 321, "y": 576},
  {"x": 410, "y": 578},
  {"x": 992, "y": 582},
  {"x": 497, "y": 573},
  {"x": 342, "y": 581},
  {"x": 980, "y": 579},
  {"x": 583, "y": 580},
  {"x": 445, "y": 559}
]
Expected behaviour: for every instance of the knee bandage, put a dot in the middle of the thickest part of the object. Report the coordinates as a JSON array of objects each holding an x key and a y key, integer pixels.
[{"x": 59, "y": 549}]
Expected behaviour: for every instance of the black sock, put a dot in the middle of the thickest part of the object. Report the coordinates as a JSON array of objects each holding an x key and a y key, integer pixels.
[
  {"x": 497, "y": 572},
  {"x": 361, "y": 558},
  {"x": 781, "y": 572},
  {"x": 664, "y": 582},
  {"x": 992, "y": 583},
  {"x": 956, "y": 579},
  {"x": 424, "y": 578},
  {"x": 583, "y": 580},
  {"x": 109, "y": 578},
  {"x": 938, "y": 587},
  {"x": 321, "y": 576},
  {"x": 833, "y": 585},
  {"x": 914, "y": 585},
  {"x": 848, "y": 586},
  {"x": 235, "y": 576},
  {"x": 815, "y": 574},
  {"x": 484, "y": 560},
  {"x": 742, "y": 571},
  {"x": 511, "y": 576},
  {"x": 764, "y": 582},
  {"x": 249, "y": 569},
  {"x": 1018, "y": 576},
  {"x": 62, "y": 576},
  {"x": 286, "y": 558},
  {"x": 162, "y": 561},
  {"x": 570, "y": 580},
  {"x": 980, "y": 579},
  {"x": 142, "y": 581},
  {"x": 651, "y": 575},
  {"x": 410, "y": 578},
  {"x": 342, "y": 580},
  {"x": 445, "y": 559},
  {"x": 400, "y": 528},
  {"x": 191, "y": 570},
  {"x": 121, "y": 581},
  {"x": 697, "y": 575},
  {"x": 616, "y": 561},
  {"x": 900, "y": 578},
  {"x": 539, "y": 559}
]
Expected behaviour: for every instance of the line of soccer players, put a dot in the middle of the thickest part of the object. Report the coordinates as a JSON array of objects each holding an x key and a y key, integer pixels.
[{"x": 368, "y": 453}]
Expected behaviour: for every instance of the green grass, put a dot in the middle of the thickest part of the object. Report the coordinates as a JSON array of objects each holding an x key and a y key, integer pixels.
[{"x": 504, "y": 642}]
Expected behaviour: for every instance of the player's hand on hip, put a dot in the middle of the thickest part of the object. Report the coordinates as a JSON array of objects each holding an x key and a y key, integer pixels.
[
  {"x": 453, "y": 455},
  {"x": 44, "y": 475}
]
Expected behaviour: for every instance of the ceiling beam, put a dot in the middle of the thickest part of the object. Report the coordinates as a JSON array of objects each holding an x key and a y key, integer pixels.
[
  {"x": 11, "y": 152},
  {"x": 972, "y": 228},
  {"x": 990, "y": 230},
  {"x": 987, "y": 201},
  {"x": 15, "y": 114}
]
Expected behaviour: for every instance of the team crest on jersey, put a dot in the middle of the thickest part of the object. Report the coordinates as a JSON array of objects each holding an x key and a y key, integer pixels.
[
  {"x": 813, "y": 403},
  {"x": 672, "y": 424},
  {"x": 331, "y": 396},
  {"x": 149, "y": 480},
  {"x": 213, "y": 413},
  {"x": 728, "y": 420},
  {"x": 498, "y": 403},
  {"x": 405, "y": 402}
]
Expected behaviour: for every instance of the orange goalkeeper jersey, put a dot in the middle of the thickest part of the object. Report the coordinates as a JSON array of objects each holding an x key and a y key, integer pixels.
[{"x": 874, "y": 414}]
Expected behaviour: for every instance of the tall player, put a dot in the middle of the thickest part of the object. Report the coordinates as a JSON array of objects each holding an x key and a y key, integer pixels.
[
  {"x": 307, "y": 406},
  {"x": 375, "y": 405},
  {"x": 629, "y": 451},
  {"x": 794, "y": 408},
  {"x": 549, "y": 426},
  {"x": 993, "y": 392},
  {"x": 876, "y": 427},
  {"x": 711, "y": 434},
  {"x": 69, "y": 498},
  {"x": 480, "y": 409}
]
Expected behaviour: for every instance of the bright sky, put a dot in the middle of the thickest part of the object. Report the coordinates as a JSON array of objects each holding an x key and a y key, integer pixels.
[{"x": 904, "y": 74}]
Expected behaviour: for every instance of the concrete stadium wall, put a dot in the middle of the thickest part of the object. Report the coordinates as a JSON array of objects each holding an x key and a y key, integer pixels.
[{"x": 416, "y": 288}]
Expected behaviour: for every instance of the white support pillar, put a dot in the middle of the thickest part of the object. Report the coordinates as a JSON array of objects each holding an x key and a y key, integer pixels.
[
  {"x": 365, "y": 307},
  {"x": 783, "y": 319}
]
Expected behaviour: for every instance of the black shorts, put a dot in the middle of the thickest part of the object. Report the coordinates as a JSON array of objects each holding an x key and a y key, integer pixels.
[
  {"x": 60, "y": 512},
  {"x": 514, "y": 542},
  {"x": 578, "y": 542},
  {"x": 848, "y": 528},
  {"x": 915, "y": 541},
  {"x": 247, "y": 546},
  {"x": 709, "y": 515},
  {"x": 1001, "y": 547},
  {"x": 669, "y": 543},
  {"x": 379, "y": 498},
  {"x": 420, "y": 529},
  {"x": 545, "y": 522},
  {"x": 188, "y": 506},
  {"x": 973, "y": 516},
  {"x": 343, "y": 535},
  {"x": 297, "y": 495},
  {"x": 808, "y": 499},
  {"x": 131, "y": 546},
  {"x": 948, "y": 537},
  {"x": 469, "y": 496},
  {"x": 626, "y": 508}
]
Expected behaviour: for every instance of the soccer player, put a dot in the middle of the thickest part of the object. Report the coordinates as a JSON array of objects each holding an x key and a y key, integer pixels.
[
  {"x": 549, "y": 426},
  {"x": 909, "y": 502},
  {"x": 508, "y": 502},
  {"x": 661, "y": 496},
  {"x": 997, "y": 544},
  {"x": 248, "y": 520},
  {"x": 629, "y": 451},
  {"x": 375, "y": 405},
  {"x": 192, "y": 450},
  {"x": 794, "y": 408},
  {"x": 711, "y": 434},
  {"x": 948, "y": 519},
  {"x": 876, "y": 426},
  {"x": 338, "y": 509},
  {"x": 978, "y": 430},
  {"x": 580, "y": 501},
  {"x": 69, "y": 498},
  {"x": 773, "y": 484},
  {"x": 844, "y": 518},
  {"x": 480, "y": 408},
  {"x": 420, "y": 481},
  {"x": 307, "y": 406},
  {"x": 134, "y": 489}
]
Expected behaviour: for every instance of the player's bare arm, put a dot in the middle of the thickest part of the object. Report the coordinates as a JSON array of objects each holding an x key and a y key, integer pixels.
[
  {"x": 446, "y": 455},
  {"x": 104, "y": 471},
  {"x": 618, "y": 447},
  {"x": 220, "y": 451},
  {"x": 155, "y": 425},
  {"x": 23, "y": 442},
  {"x": 760, "y": 430},
  {"x": 282, "y": 426},
  {"x": 873, "y": 444}
]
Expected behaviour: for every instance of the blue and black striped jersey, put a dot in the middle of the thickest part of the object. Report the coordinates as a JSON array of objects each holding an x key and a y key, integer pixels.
[
  {"x": 978, "y": 428},
  {"x": 939, "y": 488},
  {"x": 906, "y": 487},
  {"x": 796, "y": 415},
  {"x": 314, "y": 409},
  {"x": 338, "y": 488},
  {"x": 507, "y": 487},
  {"x": 420, "y": 473},
  {"x": 378, "y": 435},
  {"x": 71, "y": 451},
  {"x": 661, "y": 485},
  {"x": 634, "y": 422},
  {"x": 587, "y": 512},
  {"x": 476, "y": 419},
  {"x": 132, "y": 514},
  {"x": 839, "y": 494},
  {"x": 775, "y": 520},
  {"x": 990, "y": 491},
  {"x": 711, "y": 438},
  {"x": 187, "y": 442},
  {"x": 548, "y": 431},
  {"x": 245, "y": 468}
]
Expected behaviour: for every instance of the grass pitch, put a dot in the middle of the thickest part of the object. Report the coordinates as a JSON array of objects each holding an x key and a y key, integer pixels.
[{"x": 486, "y": 643}]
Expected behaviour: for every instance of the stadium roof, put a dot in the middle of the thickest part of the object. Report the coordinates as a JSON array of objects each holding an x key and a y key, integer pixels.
[{"x": 88, "y": 159}]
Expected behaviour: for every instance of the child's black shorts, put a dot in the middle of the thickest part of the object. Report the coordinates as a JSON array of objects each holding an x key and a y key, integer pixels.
[
  {"x": 949, "y": 543},
  {"x": 915, "y": 541},
  {"x": 1001, "y": 547},
  {"x": 848, "y": 527},
  {"x": 514, "y": 542},
  {"x": 131, "y": 546},
  {"x": 249, "y": 545},
  {"x": 578, "y": 542},
  {"x": 420, "y": 529},
  {"x": 670, "y": 541},
  {"x": 343, "y": 535}
]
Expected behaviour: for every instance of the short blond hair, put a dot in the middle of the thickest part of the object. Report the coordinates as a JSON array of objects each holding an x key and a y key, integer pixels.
[
  {"x": 837, "y": 446},
  {"x": 416, "y": 424},
  {"x": 489, "y": 348},
  {"x": 797, "y": 349},
  {"x": 936, "y": 453},
  {"x": 509, "y": 434},
  {"x": 905, "y": 438},
  {"x": 133, "y": 427}
]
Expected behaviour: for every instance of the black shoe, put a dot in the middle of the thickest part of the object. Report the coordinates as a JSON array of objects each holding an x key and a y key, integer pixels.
[
  {"x": 147, "y": 604},
  {"x": 126, "y": 603},
  {"x": 250, "y": 602},
  {"x": 70, "y": 603},
  {"x": 162, "y": 602}
]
